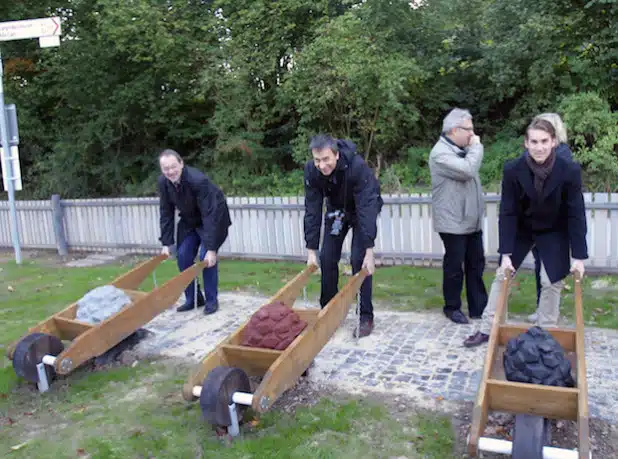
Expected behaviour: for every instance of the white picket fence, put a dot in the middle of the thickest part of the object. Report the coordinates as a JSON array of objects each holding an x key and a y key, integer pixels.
[{"x": 272, "y": 227}]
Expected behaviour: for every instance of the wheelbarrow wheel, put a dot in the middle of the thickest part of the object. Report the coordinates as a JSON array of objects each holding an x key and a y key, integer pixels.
[
  {"x": 530, "y": 435},
  {"x": 217, "y": 391},
  {"x": 30, "y": 351}
]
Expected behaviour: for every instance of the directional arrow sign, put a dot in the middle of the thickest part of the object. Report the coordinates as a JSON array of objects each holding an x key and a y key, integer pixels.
[{"x": 32, "y": 28}]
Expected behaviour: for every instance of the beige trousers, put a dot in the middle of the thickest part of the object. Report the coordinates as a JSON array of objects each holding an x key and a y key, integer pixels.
[{"x": 549, "y": 302}]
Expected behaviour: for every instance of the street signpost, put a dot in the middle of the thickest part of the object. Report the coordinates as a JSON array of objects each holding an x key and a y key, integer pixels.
[
  {"x": 48, "y": 31},
  {"x": 31, "y": 28}
]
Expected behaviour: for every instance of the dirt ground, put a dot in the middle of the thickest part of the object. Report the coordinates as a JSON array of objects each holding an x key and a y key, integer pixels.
[{"x": 603, "y": 436}]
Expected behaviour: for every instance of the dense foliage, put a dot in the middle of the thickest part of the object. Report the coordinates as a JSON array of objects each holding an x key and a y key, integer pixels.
[{"x": 238, "y": 86}]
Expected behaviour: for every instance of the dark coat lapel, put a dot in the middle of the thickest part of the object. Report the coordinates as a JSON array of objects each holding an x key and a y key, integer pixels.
[{"x": 524, "y": 176}]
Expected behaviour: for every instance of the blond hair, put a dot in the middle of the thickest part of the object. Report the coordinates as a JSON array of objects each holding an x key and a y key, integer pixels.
[{"x": 556, "y": 121}]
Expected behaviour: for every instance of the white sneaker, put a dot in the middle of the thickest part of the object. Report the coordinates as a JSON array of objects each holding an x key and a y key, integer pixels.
[{"x": 533, "y": 317}]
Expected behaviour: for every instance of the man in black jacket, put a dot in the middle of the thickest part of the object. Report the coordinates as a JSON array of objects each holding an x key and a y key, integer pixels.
[
  {"x": 542, "y": 206},
  {"x": 204, "y": 219},
  {"x": 341, "y": 176}
]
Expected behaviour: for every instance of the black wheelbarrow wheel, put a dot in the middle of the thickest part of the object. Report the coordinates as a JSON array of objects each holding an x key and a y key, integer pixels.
[
  {"x": 218, "y": 389},
  {"x": 530, "y": 434},
  {"x": 30, "y": 351}
]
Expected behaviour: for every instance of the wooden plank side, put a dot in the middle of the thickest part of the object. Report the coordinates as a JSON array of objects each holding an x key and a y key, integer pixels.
[
  {"x": 286, "y": 370},
  {"x": 308, "y": 315},
  {"x": 254, "y": 361},
  {"x": 482, "y": 404},
  {"x": 566, "y": 338},
  {"x": 70, "y": 329},
  {"x": 133, "y": 279},
  {"x": 291, "y": 290},
  {"x": 548, "y": 401},
  {"x": 134, "y": 294},
  {"x": 582, "y": 384}
]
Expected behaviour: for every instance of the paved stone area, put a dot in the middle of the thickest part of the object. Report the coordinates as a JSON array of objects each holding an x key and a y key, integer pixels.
[
  {"x": 416, "y": 354},
  {"x": 94, "y": 259}
]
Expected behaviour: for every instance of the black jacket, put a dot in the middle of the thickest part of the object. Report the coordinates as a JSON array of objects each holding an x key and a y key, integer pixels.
[
  {"x": 555, "y": 222},
  {"x": 202, "y": 207},
  {"x": 351, "y": 187}
]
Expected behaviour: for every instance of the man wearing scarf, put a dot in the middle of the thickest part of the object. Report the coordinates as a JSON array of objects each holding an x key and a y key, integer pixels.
[
  {"x": 541, "y": 206},
  {"x": 353, "y": 201}
]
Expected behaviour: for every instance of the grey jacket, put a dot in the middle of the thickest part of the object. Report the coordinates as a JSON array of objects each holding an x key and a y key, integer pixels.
[{"x": 457, "y": 196}]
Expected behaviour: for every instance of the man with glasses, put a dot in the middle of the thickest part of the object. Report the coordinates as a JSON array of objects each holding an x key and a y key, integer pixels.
[{"x": 457, "y": 212}]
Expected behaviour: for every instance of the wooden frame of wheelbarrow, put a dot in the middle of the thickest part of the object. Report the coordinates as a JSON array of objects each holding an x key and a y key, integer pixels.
[
  {"x": 534, "y": 400},
  {"x": 280, "y": 370},
  {"x": 92, "y": 340}
]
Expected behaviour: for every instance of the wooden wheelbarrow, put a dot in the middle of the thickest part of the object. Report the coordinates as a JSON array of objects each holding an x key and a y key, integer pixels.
[
  {"x": 221, "y": 380},
  {"x": 532, "y": 404},
  {"x": 40, "y": 355}
]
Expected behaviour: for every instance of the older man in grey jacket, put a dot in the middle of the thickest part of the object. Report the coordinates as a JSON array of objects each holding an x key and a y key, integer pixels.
[{"x": 457, "y": 203}]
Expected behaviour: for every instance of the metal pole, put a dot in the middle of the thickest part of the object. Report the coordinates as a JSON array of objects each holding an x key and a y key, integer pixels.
[{"x": 8, "y": 168}]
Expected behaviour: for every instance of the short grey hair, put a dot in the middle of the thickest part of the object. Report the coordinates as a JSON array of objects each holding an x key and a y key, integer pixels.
[{"x": 454, "y": 119}]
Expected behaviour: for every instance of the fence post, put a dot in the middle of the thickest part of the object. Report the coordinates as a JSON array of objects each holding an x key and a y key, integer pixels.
[{"x": 58, "y": 218}]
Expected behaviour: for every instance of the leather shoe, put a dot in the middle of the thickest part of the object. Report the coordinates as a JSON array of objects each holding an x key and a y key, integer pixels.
[
  {"x": 188, "y": 306},
  {"x": 211, "y": 308},
  {"x": 457, "y": 316},
  {"x": 476, "y": 340},
  {"x": 364, "y": 329}
]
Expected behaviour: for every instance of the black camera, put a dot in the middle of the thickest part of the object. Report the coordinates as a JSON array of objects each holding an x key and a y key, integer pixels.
[{"x": 338, "y": 217}]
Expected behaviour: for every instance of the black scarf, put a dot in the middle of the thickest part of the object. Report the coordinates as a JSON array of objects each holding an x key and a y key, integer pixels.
[{"x": 541, "y": 171}]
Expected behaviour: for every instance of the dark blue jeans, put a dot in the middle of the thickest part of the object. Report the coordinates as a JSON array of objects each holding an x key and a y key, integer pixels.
[
  {"x": 464, "y": 254},
  {"x": 329, "y": 264},
  {"x": 186, "y": 253}
]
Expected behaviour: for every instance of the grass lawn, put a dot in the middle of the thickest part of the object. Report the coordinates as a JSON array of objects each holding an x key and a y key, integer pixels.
[{"x": 137, "y": 412}]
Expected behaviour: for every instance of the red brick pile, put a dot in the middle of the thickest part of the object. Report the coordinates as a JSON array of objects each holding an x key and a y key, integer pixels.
[{"x": 273, "y": 326}]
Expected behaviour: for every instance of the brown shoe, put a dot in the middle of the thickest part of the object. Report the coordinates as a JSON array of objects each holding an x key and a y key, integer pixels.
[
  {"x": 476, "y": 340},
  {"x": 364, "y": 329}
]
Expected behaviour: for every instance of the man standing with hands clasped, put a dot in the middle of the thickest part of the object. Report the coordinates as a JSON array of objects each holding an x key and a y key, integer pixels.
[
  {"x": 457, "y": 213},
  {"x": 353, "y": 201},
  {"x": 542, "y": 206},
  {"x": 204, "y": 220}
]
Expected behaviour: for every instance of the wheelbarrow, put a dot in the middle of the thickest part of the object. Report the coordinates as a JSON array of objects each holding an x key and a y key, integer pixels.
[
  {"x": 533, "y": 404},
  {"x": 41, "y": 354},
  {"x": 221, "y": 381}
]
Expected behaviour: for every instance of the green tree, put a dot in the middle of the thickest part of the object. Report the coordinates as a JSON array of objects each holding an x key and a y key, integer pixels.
[
  {"x": 349, "y": 82},
  {"x": 593, "y": 131}
]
